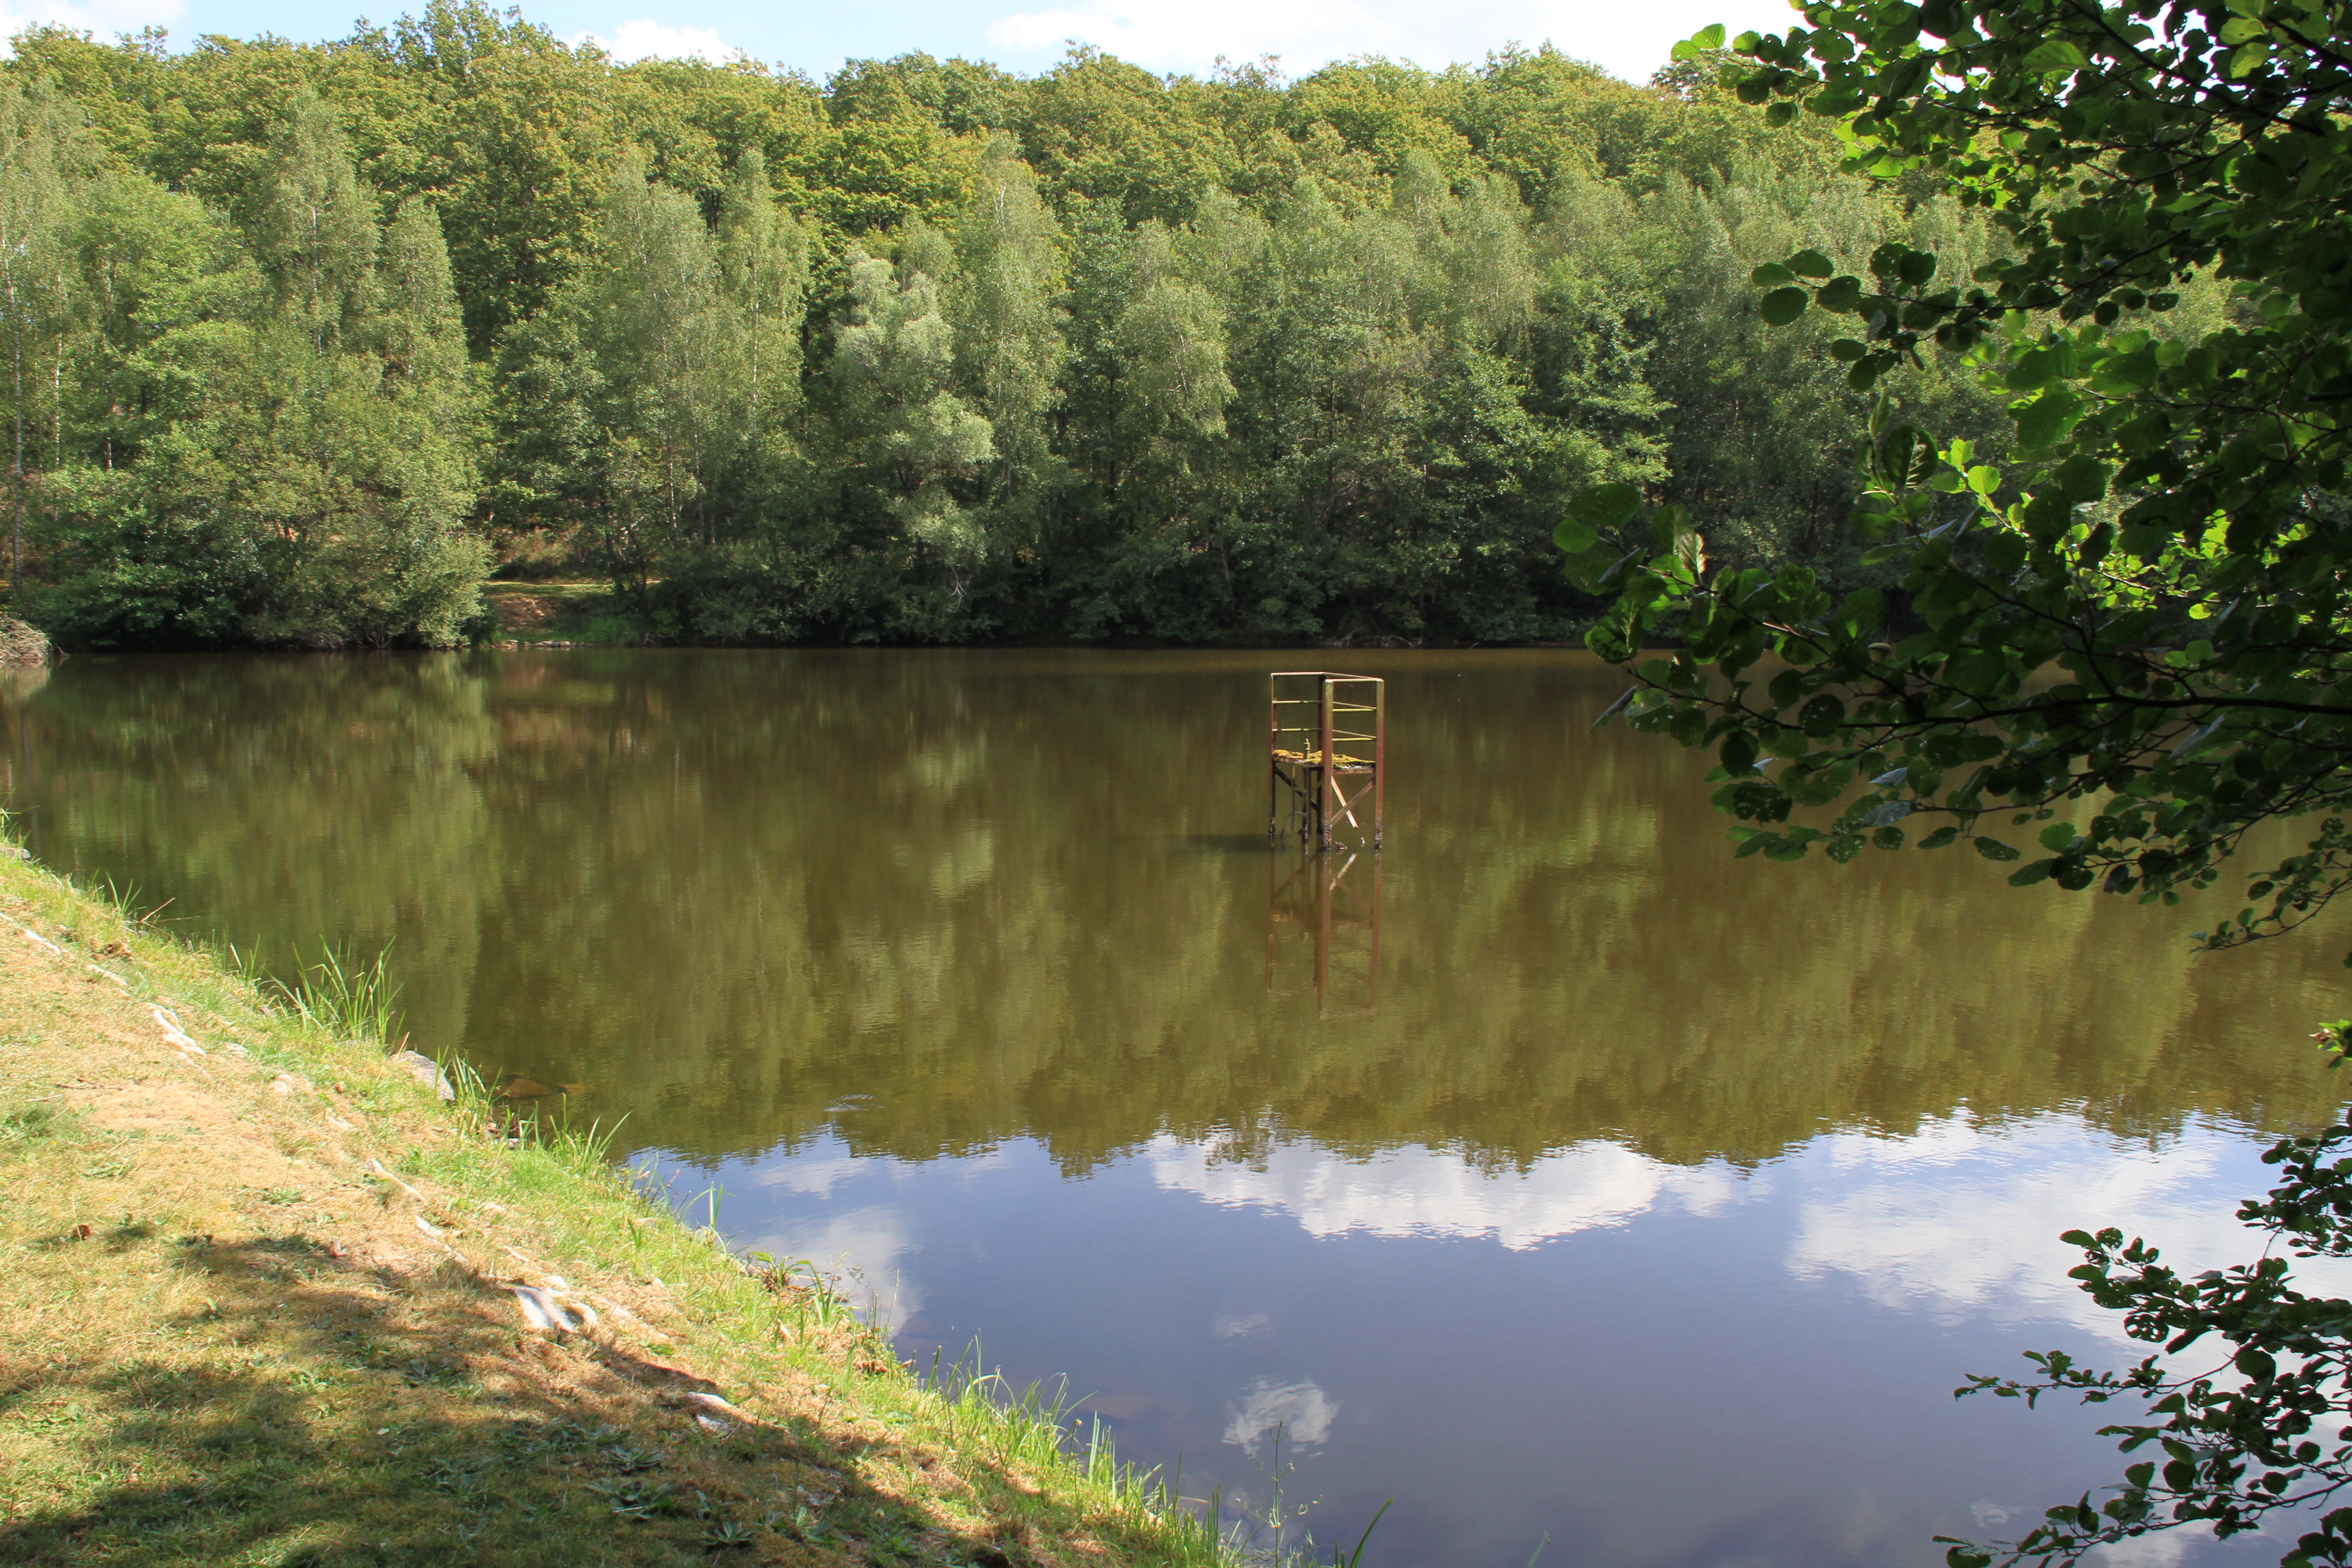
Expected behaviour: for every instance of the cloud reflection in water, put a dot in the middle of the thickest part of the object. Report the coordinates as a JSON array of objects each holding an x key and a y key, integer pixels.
[
  {"x": 1435, "y": 1193},
  {"x": 1300, "y": 1411},
  {"x": 1957, "y": 1219}
]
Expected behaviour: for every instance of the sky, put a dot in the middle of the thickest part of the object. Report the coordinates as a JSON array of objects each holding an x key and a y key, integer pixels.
[{"x": 1631, "y": 37}]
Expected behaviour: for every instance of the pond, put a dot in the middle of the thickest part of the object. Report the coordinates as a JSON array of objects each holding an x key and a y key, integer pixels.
[{"x": 1551, "y": 1173}]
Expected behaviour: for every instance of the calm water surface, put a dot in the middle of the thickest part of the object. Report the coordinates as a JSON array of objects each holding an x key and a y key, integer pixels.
[{"x": 1553, "y": 1174}]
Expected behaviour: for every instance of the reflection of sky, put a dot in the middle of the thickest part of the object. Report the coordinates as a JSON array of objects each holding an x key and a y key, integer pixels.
[
  {"x": 1428, "y": 1192},
  {"x": 1960, "y": 1220},
  {"x": 1384, "y": 1314},
  {"x": 1953, "y": 1220},
  {"x": 1299, "y": 1411}
]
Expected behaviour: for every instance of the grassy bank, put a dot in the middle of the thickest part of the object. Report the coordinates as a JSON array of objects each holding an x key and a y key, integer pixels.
[
  {"x": 561, "y": 614},
  {"x": 266, "y": 1299}
]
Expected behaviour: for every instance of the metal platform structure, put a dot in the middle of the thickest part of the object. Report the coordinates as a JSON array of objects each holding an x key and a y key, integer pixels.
[{"x": 1326, "y": 745}]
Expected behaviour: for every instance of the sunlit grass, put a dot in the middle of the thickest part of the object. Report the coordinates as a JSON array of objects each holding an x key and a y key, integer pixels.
[{"x": 257, "y": 1307}]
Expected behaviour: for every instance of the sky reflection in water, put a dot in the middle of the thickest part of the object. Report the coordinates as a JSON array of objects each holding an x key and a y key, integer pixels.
[{"x": 1425, "y": 1328}]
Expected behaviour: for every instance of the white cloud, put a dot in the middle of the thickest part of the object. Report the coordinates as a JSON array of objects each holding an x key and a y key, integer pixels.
[
  {"x": 1961, "y": 1220},
  {"x": 2163, "y": 1550},
  {"x": 814, "y": 1177},
  {"x": 1630, "y": 40},
  {"x": 865, "y": 1251},
  {"x": 1300, "y": 1411},
  {"x": 1426, "y": 1192},
  {"x": 100, "y": 18},
  {"x": 646, "y": 39}
]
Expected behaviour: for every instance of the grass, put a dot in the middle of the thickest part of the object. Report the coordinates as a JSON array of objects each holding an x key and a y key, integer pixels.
[
  {"x": 562, "y": 611},
  {"x": 265, "y": 1299},
  {"x": 349, "y": 999}
]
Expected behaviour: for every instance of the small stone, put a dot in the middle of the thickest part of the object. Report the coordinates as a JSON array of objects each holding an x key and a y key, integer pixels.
[{"x": 425, "y": 1070}]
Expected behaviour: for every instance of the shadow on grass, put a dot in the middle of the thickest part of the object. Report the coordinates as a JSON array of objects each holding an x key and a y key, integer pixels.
[{"x": 320, "y": 1411}]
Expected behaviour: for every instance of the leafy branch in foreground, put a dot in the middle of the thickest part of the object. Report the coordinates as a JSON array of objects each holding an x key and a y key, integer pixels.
[
  {"x": 2256, "y": 1426},
  {"x": 2130, "y": 633}
]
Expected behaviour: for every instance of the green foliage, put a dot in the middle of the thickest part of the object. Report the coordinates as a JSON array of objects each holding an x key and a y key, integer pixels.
[
  {"x": 243, "y": 433},
  {"x": 2122, "y": 629},
  {"x": 928, "y": 352},
  {"x": 2136, "y": 608}
]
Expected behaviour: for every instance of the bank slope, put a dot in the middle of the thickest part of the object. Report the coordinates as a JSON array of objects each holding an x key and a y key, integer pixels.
[{"x": 266, "y": 1299}]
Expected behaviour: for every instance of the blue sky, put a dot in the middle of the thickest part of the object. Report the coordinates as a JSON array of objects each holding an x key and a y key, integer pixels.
[{"x": 1631, "y": 37}]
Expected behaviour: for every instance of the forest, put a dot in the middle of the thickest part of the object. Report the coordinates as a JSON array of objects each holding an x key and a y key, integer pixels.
[{"x": 304, "y": 342}]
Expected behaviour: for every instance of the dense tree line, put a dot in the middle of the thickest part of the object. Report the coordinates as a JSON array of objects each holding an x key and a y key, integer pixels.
[{"x": 303, "y": 340}]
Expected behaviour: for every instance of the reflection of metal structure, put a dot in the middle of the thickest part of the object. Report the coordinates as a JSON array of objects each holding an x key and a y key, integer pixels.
[
  {"x": 1343, "y": 921},
  {"x": 1327, "y": 743}
]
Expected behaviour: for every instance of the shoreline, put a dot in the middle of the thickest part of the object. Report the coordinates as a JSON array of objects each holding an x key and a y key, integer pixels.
[{"x": 272, "y": 1298}]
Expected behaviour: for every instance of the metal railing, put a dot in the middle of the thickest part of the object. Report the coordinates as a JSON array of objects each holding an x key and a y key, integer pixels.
[{"x": 1316, "y": 734}]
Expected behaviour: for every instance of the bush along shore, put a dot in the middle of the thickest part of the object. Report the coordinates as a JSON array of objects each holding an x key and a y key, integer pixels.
[{"x": 272, "y": 1295}]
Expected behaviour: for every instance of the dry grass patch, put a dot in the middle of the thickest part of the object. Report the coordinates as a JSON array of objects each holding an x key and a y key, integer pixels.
[{"x": 264, "y": 1300}]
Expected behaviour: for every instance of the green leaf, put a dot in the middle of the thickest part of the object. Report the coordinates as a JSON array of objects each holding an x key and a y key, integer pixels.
[
  {"x": 2042, "y": 420},
  {"x": 1606, "y": 506},
  {"x": 1709, "y": 36},
  {"x": 1770, "y": 275},
  {"x": 2058, "y": 836},
  {"x": 2055, "y": 55},
  {"x": 1669, "y": 527},
  {"x": 1574, "y": 536},
  {"x": 1841, "y": 293},
  {"x": 2037, "y": 369},
  {"x": 1994, "y": 850},
  {"x": 2082, "y": 479},
  {"x": 1783, "y": 306},
  {"x": 1864, "y": 611},
  {"x": 2027, "y": 876},
  {"x": 1810, "y": 264},
  {"x": 1588, "y": 569}
]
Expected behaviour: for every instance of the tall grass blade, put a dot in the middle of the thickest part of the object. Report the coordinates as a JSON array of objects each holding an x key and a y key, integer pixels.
[{"x": 344, "y": 997}]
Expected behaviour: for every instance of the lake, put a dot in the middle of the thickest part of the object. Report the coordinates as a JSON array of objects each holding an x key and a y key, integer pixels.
[{"x": 1550, "y": 1173}]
